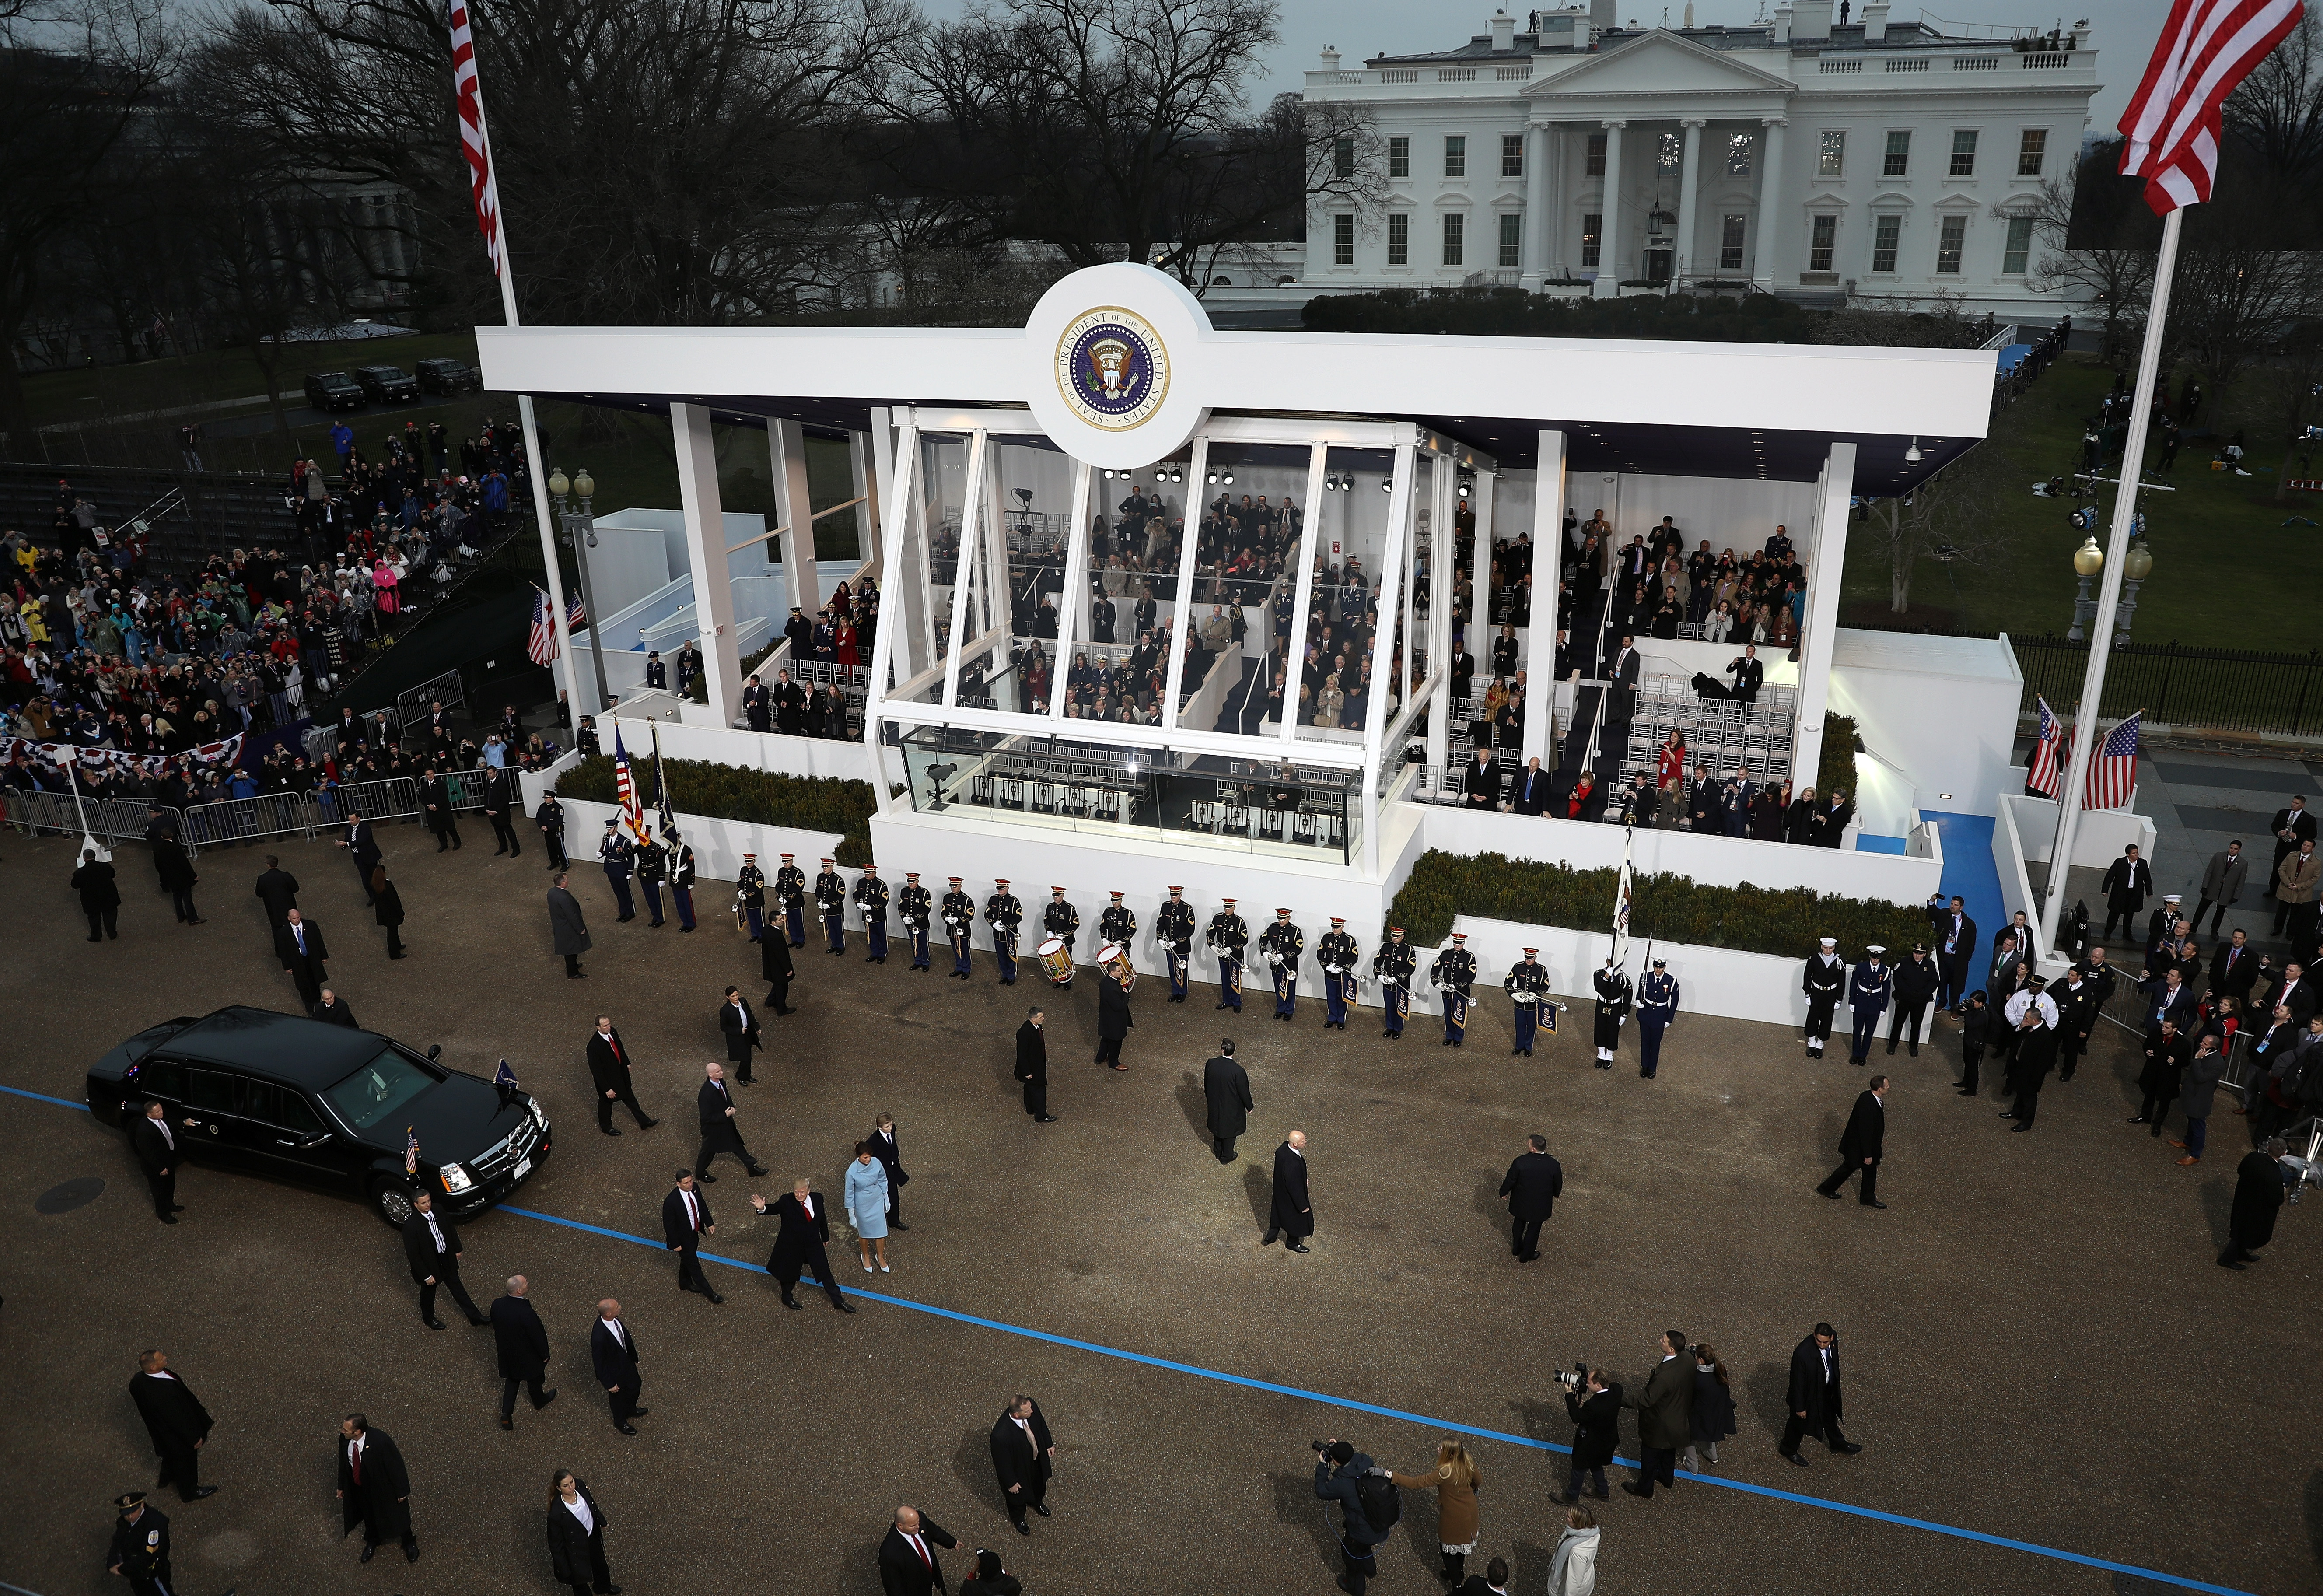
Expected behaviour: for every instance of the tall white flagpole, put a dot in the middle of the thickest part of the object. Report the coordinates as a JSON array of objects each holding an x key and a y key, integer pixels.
[{"x": 2086, "y": 732}]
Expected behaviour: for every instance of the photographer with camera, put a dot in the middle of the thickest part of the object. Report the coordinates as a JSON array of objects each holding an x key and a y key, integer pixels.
[
  {"x": 1594, "y": 1405},
  {"x": 1368, "y": 1503}
]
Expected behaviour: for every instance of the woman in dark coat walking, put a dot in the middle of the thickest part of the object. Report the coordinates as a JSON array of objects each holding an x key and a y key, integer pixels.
[
  {"x": 1713, "y": 1407},
  {"x": 577, "y": 1538},
  {"x": 387, "y": 904},
  {"x": 176, "y": 871}
]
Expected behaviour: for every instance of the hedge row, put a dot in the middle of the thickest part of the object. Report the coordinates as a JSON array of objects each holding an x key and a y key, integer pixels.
[
  {"x": 1666, "y": 907},
  {"x": 759, "y": 797},
  {"x": 1835, "y": 771}
]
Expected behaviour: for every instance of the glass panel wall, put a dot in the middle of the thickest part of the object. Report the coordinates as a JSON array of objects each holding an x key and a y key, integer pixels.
[
  {"x": 1335, "y": 686},
  {"x": 1252, "y": 519}
]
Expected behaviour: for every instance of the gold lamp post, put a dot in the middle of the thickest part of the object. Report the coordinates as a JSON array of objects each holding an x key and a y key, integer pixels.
[
  {"x": 2136, "y": 565},
  {"x": 2088, "y": 562}
]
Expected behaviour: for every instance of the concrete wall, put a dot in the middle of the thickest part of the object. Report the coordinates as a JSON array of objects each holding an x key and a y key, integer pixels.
[
  {"x": 745, "y": 750},
  {"x": 717, "y": 847},
  {"x": 1940, "y": 710}
]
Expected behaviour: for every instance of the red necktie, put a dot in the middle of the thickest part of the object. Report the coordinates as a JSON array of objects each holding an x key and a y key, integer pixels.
[
  {"x": 615, "y": 1043},
  {"x": 807, "y": 1206},
  {"x": 355, "y": 1453},
  {"x": 920, "y": 1547}
]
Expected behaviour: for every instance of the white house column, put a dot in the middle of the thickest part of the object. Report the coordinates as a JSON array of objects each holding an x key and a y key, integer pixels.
[
  {"x": 1827, "y": 562},
  {"x": 1774, "y": 225},
  {"x": 705, "y": 553},
  {"x": 1609, "y": 221},
  {"x": 1548, "y": 545},
  {"x": 786, "y": 454},
  {"x": 1689, "y": 184},
  {"x": 1536, "y": 221}
]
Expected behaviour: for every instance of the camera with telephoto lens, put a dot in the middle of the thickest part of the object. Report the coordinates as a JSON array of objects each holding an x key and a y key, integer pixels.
[{"x": 1575, "y": 1378}]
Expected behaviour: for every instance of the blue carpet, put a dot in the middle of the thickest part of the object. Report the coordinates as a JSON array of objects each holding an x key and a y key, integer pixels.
[
  {"x": 1970, "y": 871},
  {"x": 1865, "y": 842}
]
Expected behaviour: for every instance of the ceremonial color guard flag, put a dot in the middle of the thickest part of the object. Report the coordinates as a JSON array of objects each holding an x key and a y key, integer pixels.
[
  {"x": 540, "y": 647},
  {"x": 2048, "y": 754},
  {"x": 625, "y": 790},
  {"x": 481, "y": 182},
  {"x": 1621, "y": 894},
  {"x": 2113, "y": 773},
  {"x": 2206, "y": 48}
]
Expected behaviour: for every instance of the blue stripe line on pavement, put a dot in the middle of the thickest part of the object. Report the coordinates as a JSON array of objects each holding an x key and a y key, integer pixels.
[{"x": 1195, "y": 1371}]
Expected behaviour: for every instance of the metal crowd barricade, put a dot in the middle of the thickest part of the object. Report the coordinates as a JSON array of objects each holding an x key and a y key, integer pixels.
[
  {"x": 43, "y": 813},
  {"x": 246, "y": 819},
  {"x": 391, "y": 798},
  {"x": 411, "y": 707}
]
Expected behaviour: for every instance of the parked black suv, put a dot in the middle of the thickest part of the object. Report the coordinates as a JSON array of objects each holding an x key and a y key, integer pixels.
[
  {"x": 387, "y": 384},
  {"x": 449, "y": 376},
  {"x": 334, "y": 390},
  {"x": 323, "y": 1105}
]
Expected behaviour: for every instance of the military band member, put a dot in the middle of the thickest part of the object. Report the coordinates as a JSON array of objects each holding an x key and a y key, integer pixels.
[
  {"x": 681, "y": 877},
  {"x": 1867, "y": 998},
  {"x": 790, "y": 897},
  {"x": 653, "y": 868},
  {"x": 1454, "y": 975},
  {"x": 1825, "y": 982},
  {"x": 1004, "y": 914},
  {"x": 830, "y": 904},
  {"x": 1528, "y": 984},
  {"x": 1395, "y": 967},
  {"x": 614, "y": 850},
  {"x": 750, "y": 895},
  {"x": 1282, "y": 943},
  {"x": 1612, "y": 985},
  {"x": 1657, "y": 1007},
  {"x": 1174, "y": 928},
  {"x": 1227, "y": 937},
  {"x": 871, "y": 897},
  {"x": 1117, "y": 925},
  {"x": 958, "y": 914},
  {"x": 1060, "y": 919},
  {"x": 917, "y": 908},
  {"x": 1337, "y": 952}
]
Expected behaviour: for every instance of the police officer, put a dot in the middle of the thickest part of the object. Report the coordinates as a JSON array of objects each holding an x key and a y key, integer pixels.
[
  {"x": 681, "y": 877},
  {"x": 958, "y": 914},
  {"x": 871, "y": 897},
  {"x": 790, "y": 897},
  {"x": 917, "y": 908},
  {"x": 1613, "y": 984},
  {"x": 1914, "y": 987},
  {"x": 616, "y": 852},
  {"x": 1824, "y": 982},
  {"x": 1282, "y": 943},
  {"x": 1117, "y": 925},
  {"x": 1454, "y": 975},
  {"x": 1527, "y": 983},
  {"x": 1867, "y": 996},
  {"x": 1004, "y": 914},
  {"x": 550, "y": 818},
  {"x": 1227, "y": 937},
  {"x": 1395, "y": 967},
  {"x": 1337, "y": 952},
  {"x": 1060, "y": 919},
  {"x": 653, "y": 866},
  {"x": 830, "y": 904},
  {"x": 750, "y": 894},
  {"x": 141, "y": 1547},
  {"x": 1657, "y": 1007},
  {"x": 1174, "y": 927}
]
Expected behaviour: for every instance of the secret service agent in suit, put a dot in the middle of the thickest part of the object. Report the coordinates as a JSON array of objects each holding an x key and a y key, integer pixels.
[
  {"x": 363, "y": 853},
  {"x": 743, "y": 1035},
  {"x": 1814, "y": 1403},
  {"x": 277, "y": 889},
  {"x": 1859, "y": 1145},
  {"x": 374, "y": 1487},
  {"x": 1665, "y": 1416},
  {"x": 1225, "y": 1088},
  {"x": 100, "y": 897},
  {"x": 1022, "y": 1451},
  {"x": 685, "y": 1219},
  {"x": 799, "y": 1244},
  {"x": 178, "y": 1422},
  {"x": 141, "y": 1547},
  {"x": 613, "y": 1354},
  {"x": 2293, "y": 824},
  {"x": 907, "y": 1557},
  {"x": 1291, "y": 1216},
  {"x": 432, "y": 1248},
  {"x": 299, "y": 944},
  {"x": 334, "y": 1010},
  {"x": 715, "y": 1106},
  {"x": 1032, "y": 1067},
  {"x": 1532, "y": 1186},
  {"x": 521, "y": 1340},
  {"x": 775, "y": 964},
  {"x": 2127, "y": 882},
  {"x": 609, "y": 1072},
  {"x": 156, "y": 1145}
]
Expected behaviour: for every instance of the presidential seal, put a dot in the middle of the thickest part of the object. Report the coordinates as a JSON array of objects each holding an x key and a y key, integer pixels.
[{"x": 1112, "y": 368}]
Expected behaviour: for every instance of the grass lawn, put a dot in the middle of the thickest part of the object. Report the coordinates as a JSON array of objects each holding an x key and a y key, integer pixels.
[
  {"x": 92, "y": 392},
  {"x": 2212, "y": 539}
]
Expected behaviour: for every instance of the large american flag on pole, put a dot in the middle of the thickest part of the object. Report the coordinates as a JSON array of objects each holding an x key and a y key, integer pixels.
[
  {"x": 2048, "y": 754},
  {"x": 2171, "y": 126},
  {"x": 471, "y": 136},
  {"x": 2113, "y": 770}
]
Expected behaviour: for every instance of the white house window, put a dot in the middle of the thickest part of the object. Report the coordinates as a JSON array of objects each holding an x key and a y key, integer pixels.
[
  {"x": 1963, "y": 152},
  {"x": 1593, "y": 165},
  {"x": 1831, "y": 160},
  {"x": 1512, "y": 239},
  {"x": 1456, "y": 155},
  {"x": 1343, "y": 158},
  {"x": 1343, "y": 239},
  {"x": 2030, "y": 149},
  {"x": 1887, "y": 233},
  {"x": 1669, "y": 152},
  {"x": 1949, "y": 242},
  {"x": 1729, "y": 243},
  {"x": 2017, "y": 248},
  {"x": 1399, "y": 157},
  {"x": 1738, "y": 155},
  {"x": 1897, "y": 161},
  {"x": 1399, "y": 238},
  {"x": 1455, "y": 235},
  {"x": 1512, "y": 155},
  {"x": 1593, "y": 225},
  {"x": 1822, "y": 241}
]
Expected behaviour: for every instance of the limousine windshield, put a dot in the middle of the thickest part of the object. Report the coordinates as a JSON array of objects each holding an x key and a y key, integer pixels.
[{"x": 373, "y": 1093}]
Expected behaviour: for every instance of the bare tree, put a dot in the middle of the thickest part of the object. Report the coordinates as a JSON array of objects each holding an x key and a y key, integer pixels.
[
  {"x": 1949, "y": 518},
  {"x": 2293, "y": 379},
  {"x": 2278, "y": 109},
  {"x": 2238, "y": 290},
  {"x": 1942, "y": 321},
  {"x": 2099, "y": 241}
]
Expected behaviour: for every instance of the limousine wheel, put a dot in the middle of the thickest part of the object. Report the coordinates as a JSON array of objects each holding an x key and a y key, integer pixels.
[{"x": 391, "y": 1201}]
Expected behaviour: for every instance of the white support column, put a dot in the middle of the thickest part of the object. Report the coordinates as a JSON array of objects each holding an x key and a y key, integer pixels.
[
  {"x": 1302, "y": 590},
  {"x": 868, "y": 451},
  {"x": 1173, "y": 668},
  {"x": 1830, "y": 561},
  {"x": 1480, "y": 565},
  {"x": 1689, "y": 185},
  {"x": 921, "y": 514},
  {"x": 1549, "y": 546},
  {"x": 1774, "y": 225},
  {"x": 786, "y": 457},
  {"x": 963, "y": 576},
  {"x": 1070, "y": 613},
  {"x": 1395, "y": 584},
  {"x": 1442, "y": 567},
  {"x": 705, "y": 550},
  {"x": 1610, "y": 239},
  {"x": 895, "y": 476},
  {"x": 1536, "y": 214}
]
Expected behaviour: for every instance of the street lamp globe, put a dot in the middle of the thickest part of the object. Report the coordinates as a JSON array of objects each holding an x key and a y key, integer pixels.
[
  {"x": 557, "y": 485},
  {"x": 2138, "y": 563},
  {"x": 584, "y": 484},
  {"x": 2088, "y": 559}
]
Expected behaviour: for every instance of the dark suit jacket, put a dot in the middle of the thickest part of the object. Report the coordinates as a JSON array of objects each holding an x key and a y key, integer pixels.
[
  {"x": 711, "y": 1103},
  {"x": 1966, "y": 953},
  {"x": 154, "y": 1153},
  {"x": 774, "y": 958},
  {"x": 1113, "y": 1021},
  {"x": 174, "y": 1416},
  {"x": 799, "y": 1236},
  {"x": 336, "y": 1013},
  {"x": 890, "y": 1154},
  {"x": 380, "y": 1496},
  {"x": 673, "y": 1231},
  {"x": 1225, "y": 1085},
  {"x": 616, "y": 1359},
  {"x": 95, "y": 882},
  {"x": 901, "y": 1572},
  {"x": 1810, "y": 1393},
  {"x": 1530, "y": 792},
  {"x": 570, "y": 1555},
  {"x": 741, "y": 1029},
  {"x": 286, "y": 947},
  {"x": 609, "y": 1071},
  {"x": 419, "y": 1248},
  {"x": 522, "y": 1338},
  {"x": 1867, "y": 1129},
  {"x": 1292, "y": 1212},
  {"x": 2235, "y": 979},
  {"x": 1532, "y": 1186},
  {"x": 1017, "y": 1461},
  {"x": 364, "y": 846},
  {"x": 279, "y": 891},
  {"x": 1031, "y": 1054}
]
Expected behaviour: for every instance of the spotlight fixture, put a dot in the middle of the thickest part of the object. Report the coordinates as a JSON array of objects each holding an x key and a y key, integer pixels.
[
  {"x": 1387, "y": 484},
  {"x": 1229, "y": 479},
  {"x": 1108, "y": 476},
  {"x": 1463, "y": 489},
  {"x": 1214, "y": 479},
  {"x": 1911, "y": 455}
]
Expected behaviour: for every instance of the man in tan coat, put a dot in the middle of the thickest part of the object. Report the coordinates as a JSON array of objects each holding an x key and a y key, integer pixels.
[
  {"x": 2295, "y": 884},
  {"x": 1665, "y": 1416}
]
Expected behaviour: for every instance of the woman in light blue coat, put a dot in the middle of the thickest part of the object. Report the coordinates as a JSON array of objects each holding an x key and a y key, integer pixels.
[{"x": 867, "y": 1206}]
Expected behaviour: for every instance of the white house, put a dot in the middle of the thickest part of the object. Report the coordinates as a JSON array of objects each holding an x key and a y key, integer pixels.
[{"x": 1801, "y": 156}]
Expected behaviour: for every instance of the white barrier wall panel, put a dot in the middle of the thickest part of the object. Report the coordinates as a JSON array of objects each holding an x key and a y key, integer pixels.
[
  {"x": 747, "y": 751},
  {"x": 1942, "y": 711},
  {"x": 717, "y": 847}
]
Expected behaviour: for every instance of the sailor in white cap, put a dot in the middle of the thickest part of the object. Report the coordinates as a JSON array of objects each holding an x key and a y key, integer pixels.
[
  {"x": 1824, "y": 982},
  {"x": 1867, "y": 995}
]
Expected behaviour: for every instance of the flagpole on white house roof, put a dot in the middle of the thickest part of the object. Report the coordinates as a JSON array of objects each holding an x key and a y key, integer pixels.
[{"x": 2086, "y": 732}]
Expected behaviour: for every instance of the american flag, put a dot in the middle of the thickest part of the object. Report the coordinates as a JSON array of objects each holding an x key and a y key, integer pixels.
[
  {"x": 411, "y": 1150},
  {"x": 2113, "y": 774},
  {"x": 2048, "y": 753},
  {"x": 574, "y": 614},
  {"x": 2206, "y": 48},
  {"x": 471, "y": 136},
  {"x": 541, "y": 646},
  {"x": 625, "y": 790}
]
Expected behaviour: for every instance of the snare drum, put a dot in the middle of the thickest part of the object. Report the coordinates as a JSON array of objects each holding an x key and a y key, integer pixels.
[
  {"x": 1056, "y": 961},
  {"x": 1113, "y": 959}
]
